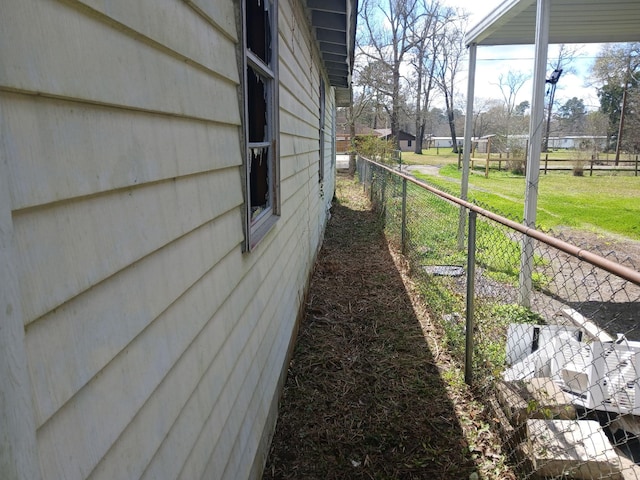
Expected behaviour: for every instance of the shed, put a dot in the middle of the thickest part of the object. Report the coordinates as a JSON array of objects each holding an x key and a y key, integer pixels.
[
  {"x": 405, "y": 139},
  {"x": 165, "y": 180}
]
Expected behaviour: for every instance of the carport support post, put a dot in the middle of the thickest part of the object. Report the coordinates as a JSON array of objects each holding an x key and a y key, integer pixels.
[
  {"x": 468, "y": 127},
  {"x": 535, "y": 149},
  {"x": 471, "y": 277}
]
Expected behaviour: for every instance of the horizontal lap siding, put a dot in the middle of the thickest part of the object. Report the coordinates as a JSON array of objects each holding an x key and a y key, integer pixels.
[
  {"x": 72, "y": 54},
  {"x": 93, "y": 238},
  {"x": 154, "y": 344},
  {"x": 121, "y": 130},
  {"x": 299, "y": 98},
  {"x": 125, "y": 148},
  {"x": 270, "y": 352},
  {"x": 63, "y": 360}
]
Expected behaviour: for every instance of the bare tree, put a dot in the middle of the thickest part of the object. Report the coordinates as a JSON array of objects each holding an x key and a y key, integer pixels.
[
  {"x": 447, "y": 66},
  {"x": 428, "y": 38},
  {"x": 510, "y": 84},
  {"x": 387, "y": 44},
  {"x": 486, "y": 116},
  {"x": 595, "y": 126},
  {"x": 353, "y": 112}
]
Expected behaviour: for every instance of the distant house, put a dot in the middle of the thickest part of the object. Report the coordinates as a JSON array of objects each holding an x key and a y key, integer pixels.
[
  {"x": 405, "y": 139},
  {"x": 569, "y": 142},
  {"x": 442, "y": 142},
  {"x": 578, "y": 142},
  {"x": 166, "y": 171}
]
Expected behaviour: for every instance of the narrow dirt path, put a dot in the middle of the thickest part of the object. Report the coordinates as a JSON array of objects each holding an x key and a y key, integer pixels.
[{"x": 365, "y": 395}]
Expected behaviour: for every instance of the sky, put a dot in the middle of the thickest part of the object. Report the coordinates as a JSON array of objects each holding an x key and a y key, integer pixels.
[{"x": 493, "y": 61}]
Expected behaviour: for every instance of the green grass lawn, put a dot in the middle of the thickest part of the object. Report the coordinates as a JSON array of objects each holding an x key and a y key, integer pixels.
[
  {"x": 431, "y": 156},
  {"x": 600, "y": 203}
]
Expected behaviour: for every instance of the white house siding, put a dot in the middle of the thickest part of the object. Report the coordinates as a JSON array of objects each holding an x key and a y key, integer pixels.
[{"x": 154, "y": 346}]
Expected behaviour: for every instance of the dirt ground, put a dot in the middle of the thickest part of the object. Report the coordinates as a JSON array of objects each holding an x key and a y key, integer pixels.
[
  {"x": 604, "y": 298},
  {"x": 371, "y": 392}
]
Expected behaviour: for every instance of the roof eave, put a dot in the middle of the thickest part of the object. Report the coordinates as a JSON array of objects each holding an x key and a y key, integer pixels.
[
  {"x": 492, "y": 22},
  {"x": 334, "y": 25}
]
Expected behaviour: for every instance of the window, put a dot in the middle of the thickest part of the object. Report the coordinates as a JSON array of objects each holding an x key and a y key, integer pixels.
[
  {"x": 261, "y": 117},
  {"x": 321, "y": 115},
  {"x": 408, "y": 143}
]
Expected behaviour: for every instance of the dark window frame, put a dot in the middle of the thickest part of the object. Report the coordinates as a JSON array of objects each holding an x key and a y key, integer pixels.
[
  {"x": 322, "y": 112},
  {"x": 261, "y": 122}
]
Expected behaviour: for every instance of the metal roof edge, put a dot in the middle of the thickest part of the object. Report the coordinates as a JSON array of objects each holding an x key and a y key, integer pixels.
[{"x": 500, "y": 15}]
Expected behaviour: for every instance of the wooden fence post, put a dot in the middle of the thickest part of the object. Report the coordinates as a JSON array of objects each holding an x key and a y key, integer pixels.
[{"x": 546, "y": 161}]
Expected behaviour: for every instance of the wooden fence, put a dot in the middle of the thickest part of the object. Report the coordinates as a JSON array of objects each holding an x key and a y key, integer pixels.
[{"x": 547, "y": 164}]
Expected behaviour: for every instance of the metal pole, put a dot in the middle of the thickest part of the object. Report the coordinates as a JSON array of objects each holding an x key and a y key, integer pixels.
[
  {"x": 535, "y": 143},
  {"x": 471, "y": 274},
  {"x": 403, "y": 231},
  {"x": 372, "y": 183},
  {"x": 468, "y": 128}
]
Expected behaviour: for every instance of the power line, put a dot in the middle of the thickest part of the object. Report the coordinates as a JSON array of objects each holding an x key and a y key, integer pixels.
[{"x": 524, "y": 58}]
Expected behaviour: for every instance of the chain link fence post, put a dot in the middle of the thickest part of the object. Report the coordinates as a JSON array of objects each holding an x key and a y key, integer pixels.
[
  {"x": 403, "y": 230},
  {"x": 471, "y": 272}
]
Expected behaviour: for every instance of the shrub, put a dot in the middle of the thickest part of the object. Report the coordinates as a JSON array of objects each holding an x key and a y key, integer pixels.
[
  {"x": 374, "y": 148},
  {"x": 516, "y": 166},
  {"x": 517, "y": 163},
  {"x": 578, "y": 168}
]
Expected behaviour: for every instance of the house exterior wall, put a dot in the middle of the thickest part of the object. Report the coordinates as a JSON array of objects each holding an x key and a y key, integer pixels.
[
  {"x": 578, "y": 142},
  {"x": 442, "y": 142},
  {"x": 144, "y": 343},
  {"x": 407, "y": 145}
]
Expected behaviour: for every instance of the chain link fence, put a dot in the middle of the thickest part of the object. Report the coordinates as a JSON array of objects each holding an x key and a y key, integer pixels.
[{"x": 560, "y": 377}]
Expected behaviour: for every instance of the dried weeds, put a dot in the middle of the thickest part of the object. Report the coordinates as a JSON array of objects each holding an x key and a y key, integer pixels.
[{"x": 371, "y": 392}]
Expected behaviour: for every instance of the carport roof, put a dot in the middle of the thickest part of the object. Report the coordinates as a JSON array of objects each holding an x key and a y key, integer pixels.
[{"x": 572, "y": 21}]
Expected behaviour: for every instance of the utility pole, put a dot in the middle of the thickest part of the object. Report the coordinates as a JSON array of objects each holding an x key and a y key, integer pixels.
[
  {"x": 623, "y": 111},
  {"x": 553, "y": 80}
]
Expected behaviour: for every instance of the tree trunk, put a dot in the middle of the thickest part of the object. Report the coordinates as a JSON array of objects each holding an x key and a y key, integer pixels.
[
  {"x": 452, "y": 127},
  {"x": 545, "y": 142},
  {"x": 622, "y": 114},
  {"x": 420, "y": 138},
  {"x": 395, "y": 120},
  {"x": 452, "y": 123},
  {"x": 352, "y": 136},
  {"x": 418, "y": 145}
]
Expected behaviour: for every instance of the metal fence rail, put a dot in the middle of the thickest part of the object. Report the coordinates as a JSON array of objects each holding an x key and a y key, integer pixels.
[{"x": 565, "y": 370}]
